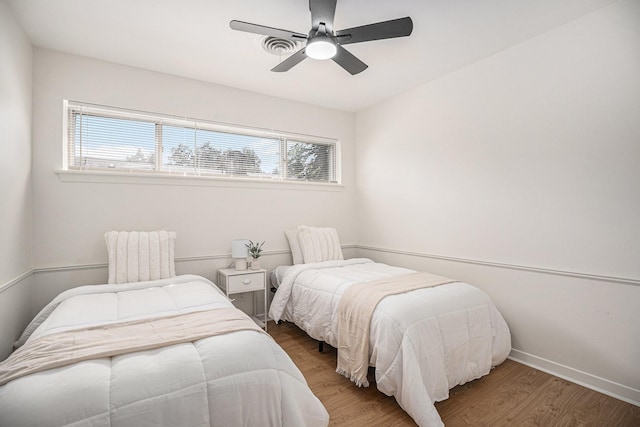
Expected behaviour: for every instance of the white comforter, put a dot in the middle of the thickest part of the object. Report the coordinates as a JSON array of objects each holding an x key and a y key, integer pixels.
[
  {"x": 422, "y": 343},
  {"x": 240, "y": 378}
]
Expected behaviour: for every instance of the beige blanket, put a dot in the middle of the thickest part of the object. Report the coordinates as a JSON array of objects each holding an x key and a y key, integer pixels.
[
  {"x": 65, "y": 348},
  {"x": 354, "y": 318}
]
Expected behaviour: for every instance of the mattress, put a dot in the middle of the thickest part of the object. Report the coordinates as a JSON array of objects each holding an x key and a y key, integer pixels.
[
  {"x": 237, "y": 378},
  {"x": 422, "y": 343}
]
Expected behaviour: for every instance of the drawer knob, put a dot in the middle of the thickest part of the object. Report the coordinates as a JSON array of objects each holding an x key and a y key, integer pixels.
[{"x": 246, "y": 282}]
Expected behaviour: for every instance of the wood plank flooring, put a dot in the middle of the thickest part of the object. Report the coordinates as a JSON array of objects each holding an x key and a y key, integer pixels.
[{"x": 511, "y": 395}]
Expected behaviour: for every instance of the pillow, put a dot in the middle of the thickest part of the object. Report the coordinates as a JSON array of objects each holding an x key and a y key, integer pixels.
[
  {"x": 319, "y": 244},
  {"x": 138, "y": 256},
  {"x": 294, "y": 244}
]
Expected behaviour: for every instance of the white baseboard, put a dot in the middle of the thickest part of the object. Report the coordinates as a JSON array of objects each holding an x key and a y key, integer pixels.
[{"x": 602, "y": 385}]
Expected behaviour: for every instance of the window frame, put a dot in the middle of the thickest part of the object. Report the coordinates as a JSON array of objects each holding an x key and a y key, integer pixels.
[{"x": 75, "y": 173}]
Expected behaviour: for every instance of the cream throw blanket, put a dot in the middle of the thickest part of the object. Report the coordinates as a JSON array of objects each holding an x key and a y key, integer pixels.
[
  {"x": 354, "y": 318},
  {"x": 65, "y": 348}
]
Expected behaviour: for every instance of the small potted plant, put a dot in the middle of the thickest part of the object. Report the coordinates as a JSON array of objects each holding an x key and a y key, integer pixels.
[{"x": 255, "y": 250}]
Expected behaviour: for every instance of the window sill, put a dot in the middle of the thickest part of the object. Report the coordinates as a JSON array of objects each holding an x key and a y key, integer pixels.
[{"x": 191, "y": 181}]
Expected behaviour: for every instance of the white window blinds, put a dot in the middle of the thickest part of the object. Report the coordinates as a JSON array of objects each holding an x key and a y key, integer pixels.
[{"x": 118, "y": 140}]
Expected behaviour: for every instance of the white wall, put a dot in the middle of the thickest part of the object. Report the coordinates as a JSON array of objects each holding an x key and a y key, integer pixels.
[
  {"x": 15, "y": 178},
  {"x": 71, "y": 218},
  {"x": 527, "y": 158}
]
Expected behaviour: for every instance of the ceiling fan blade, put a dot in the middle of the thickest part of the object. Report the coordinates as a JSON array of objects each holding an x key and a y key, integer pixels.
[
  {"x": 322, "y": 11},
  {"x": 346, "y": 60},
  {"x": 267, "y": 31},
  {"x": 381, "y": 30},
  {"x": 290, "y": 62}
]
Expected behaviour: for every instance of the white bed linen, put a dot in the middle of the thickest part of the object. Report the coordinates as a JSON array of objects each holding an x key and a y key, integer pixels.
[
  {"x": 239, "y": 378},
  {"x": 422, "y": 343},
  {"x": 277, "y": 274}
]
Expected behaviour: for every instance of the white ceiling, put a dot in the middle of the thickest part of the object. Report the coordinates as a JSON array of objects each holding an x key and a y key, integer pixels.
[{"x": 192, "y": 38}]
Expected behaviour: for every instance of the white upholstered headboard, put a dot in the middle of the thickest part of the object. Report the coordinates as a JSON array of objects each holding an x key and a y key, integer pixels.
[{"x": 136, "y": 256}]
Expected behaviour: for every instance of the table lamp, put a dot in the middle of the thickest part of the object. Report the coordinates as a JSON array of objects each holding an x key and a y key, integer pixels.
[{"x": 240, "y": 252}]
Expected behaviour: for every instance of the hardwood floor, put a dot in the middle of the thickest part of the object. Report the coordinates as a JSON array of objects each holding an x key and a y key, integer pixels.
[{"x": 511, "y": 395}]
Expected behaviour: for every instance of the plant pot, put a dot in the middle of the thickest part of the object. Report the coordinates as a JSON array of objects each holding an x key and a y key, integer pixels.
[{"x": 255, "y": 264}]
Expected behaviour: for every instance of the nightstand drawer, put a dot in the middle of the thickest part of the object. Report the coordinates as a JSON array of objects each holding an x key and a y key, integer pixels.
[{"x": 246, "y": 282}]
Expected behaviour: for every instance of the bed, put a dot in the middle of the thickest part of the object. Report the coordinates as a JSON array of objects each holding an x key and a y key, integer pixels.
[
  {"x": 422, "y": 342},
  {"x": 178, "y": 353}
]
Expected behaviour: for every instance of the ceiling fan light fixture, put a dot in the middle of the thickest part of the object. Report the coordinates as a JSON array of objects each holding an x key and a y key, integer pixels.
[{"x": 321, "y": 47}]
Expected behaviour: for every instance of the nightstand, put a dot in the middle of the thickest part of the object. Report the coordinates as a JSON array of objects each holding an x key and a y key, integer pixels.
[{"x": 233, "y": 281}]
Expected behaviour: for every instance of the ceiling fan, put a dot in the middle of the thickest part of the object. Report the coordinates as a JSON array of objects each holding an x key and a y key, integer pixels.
[{"x": 323, "y": 42}]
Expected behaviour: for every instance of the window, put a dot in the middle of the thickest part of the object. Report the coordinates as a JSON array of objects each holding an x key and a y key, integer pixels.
[{"x": 111, "y": 139}]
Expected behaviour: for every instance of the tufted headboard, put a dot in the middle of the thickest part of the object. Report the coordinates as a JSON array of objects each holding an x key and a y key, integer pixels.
[{"x": 137, "y": 256}]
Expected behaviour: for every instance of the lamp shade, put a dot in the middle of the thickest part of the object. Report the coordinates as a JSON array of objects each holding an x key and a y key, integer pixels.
[{"x": 239, "y": 248}]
